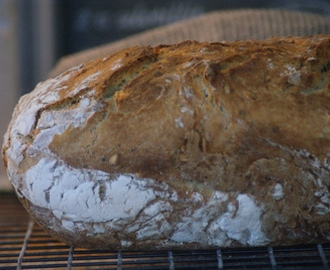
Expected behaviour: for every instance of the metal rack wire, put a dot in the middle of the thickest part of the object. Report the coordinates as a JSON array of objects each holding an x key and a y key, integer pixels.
[{"x": 24, "y": 245}]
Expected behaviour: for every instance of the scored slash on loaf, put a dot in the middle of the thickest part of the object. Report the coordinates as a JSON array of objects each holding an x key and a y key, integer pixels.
[{"x": 191, "y": 145}]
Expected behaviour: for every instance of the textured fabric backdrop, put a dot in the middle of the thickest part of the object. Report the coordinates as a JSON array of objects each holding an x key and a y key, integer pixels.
[{"x": 215, "y": 26}]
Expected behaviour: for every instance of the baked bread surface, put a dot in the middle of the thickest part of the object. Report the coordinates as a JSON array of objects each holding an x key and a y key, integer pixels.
[{"x": 192, "y": 145}]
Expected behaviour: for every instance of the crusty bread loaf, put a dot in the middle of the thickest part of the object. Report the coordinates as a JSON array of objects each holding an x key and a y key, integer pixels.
[{"x": 193, "y": 145}]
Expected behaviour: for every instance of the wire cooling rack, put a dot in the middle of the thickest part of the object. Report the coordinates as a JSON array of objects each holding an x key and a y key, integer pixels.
[{"x": 24, "y": 245}]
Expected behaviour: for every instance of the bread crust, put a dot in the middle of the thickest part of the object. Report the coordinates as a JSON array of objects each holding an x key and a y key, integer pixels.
[{"x": 179, "y": 146}]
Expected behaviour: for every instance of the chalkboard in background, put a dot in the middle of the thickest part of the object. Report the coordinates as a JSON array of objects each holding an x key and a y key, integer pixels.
[{"x": 87, "y": 23}]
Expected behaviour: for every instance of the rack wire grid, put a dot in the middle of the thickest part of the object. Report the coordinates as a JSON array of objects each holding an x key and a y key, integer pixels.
[{"x": 24, "y": 245}]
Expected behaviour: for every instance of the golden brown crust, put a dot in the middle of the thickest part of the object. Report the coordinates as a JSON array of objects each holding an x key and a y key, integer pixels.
[
  {"x": 247, "y": 117},
  {"x": 237, "y": 98},
  {"x": 246, "y": 103}
]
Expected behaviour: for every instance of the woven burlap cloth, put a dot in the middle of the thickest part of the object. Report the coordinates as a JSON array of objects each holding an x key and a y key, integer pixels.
[{"x": 214, "y": 26}]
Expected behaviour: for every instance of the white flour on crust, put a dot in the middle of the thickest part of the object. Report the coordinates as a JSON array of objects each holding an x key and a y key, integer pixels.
[
  {"x": 139, "y": 206},
  {"x": 122, "y": 202}
]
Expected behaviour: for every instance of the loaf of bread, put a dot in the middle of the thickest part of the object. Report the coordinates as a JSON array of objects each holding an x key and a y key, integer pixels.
[{"x": 192, "y": 145}]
